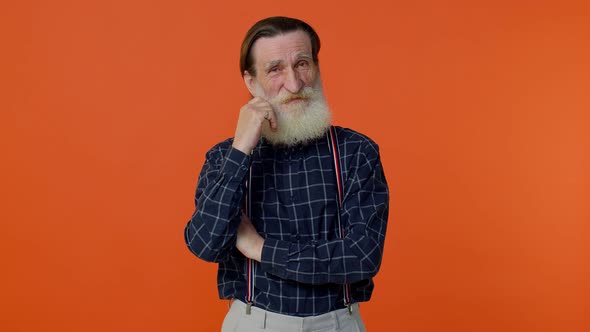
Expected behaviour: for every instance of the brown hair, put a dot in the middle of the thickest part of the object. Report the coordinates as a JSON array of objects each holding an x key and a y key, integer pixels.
[{"x": 270, "y": 27}]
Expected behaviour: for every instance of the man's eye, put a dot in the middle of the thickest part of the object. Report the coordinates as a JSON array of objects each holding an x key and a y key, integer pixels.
[
  {"x": 273, "y": 69},
  {"x": 301, "y": 63}
]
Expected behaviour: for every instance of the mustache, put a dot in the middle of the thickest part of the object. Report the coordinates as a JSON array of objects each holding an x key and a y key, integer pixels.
[{"x": 305, "y": 94}]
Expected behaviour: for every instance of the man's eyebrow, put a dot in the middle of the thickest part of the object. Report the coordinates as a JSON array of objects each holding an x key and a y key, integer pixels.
[
  {"x": 299, "y": 56},
  {"x": 303, "y": 55},
  {"x": 271, "y": 64}
]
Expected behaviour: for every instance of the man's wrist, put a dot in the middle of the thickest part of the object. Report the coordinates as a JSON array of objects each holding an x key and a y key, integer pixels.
[
  {"x": 275, "y": 255},
  {"x": 258, "y": 252},
  {"x": 242, "y": 148}
]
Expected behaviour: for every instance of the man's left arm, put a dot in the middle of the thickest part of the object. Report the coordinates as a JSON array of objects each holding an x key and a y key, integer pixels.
[{"x": 355, "y": 257}]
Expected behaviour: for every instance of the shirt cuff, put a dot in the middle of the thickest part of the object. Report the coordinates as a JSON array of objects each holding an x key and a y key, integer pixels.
[
  {"x": 236, "y": 163},
  {"x": 275, "y": 254}
]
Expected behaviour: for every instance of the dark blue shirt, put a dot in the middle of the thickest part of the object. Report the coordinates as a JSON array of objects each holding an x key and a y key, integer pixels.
[{"x": 294, "y": 207}]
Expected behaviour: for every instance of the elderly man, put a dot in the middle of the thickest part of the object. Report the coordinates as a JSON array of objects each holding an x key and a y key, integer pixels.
[{"x": 293, "y": 209}]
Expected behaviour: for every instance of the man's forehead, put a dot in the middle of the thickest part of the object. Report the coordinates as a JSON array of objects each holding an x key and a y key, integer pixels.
[{"x": 294, "y": 44}]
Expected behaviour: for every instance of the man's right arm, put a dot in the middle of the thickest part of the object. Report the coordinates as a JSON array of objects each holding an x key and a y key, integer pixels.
[{"x": 211, "y": 232}]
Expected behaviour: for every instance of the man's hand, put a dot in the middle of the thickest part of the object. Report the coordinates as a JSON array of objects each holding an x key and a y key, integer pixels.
[
  {"x": 252, "y": 116},
  {"x": 249, "y": 242}
]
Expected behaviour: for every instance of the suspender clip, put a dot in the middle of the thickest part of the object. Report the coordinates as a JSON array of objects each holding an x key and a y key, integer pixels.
[
  {"x": 248, "y": 308},
  {"x": 349, "y": 307}
]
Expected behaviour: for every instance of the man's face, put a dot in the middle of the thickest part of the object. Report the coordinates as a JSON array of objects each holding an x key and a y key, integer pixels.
[
  {"x": 289, "y": 80},
  {"x": 284, "y": 67}
]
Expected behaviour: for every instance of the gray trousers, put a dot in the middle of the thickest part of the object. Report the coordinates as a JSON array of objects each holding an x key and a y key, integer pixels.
[{"x": 260, "y": 320}]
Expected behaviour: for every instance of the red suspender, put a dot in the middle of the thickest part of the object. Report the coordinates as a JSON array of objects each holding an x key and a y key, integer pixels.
[
  {"x": 250, "y": 263},
  {"x": 333, "y": 140}
]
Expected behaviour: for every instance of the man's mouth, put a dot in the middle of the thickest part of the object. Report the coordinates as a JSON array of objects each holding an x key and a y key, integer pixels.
[{"x": 295, "y": 100}]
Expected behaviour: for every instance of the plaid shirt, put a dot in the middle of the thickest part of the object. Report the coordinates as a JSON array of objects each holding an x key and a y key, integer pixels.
[{"x": 294, "y": 207}]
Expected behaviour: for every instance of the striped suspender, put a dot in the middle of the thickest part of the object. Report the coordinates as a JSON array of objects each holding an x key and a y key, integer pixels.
[
  {"x": 332, "y": 142},
  {"x": 250, "y": 263}
]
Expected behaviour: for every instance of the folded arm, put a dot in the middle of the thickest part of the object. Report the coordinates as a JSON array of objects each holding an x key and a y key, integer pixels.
[
  {"x": 355, "y": 257},
  {"x": 211, "y": 232}
]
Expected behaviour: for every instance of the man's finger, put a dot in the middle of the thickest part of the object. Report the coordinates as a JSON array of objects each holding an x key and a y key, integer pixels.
[
  {"x": 271, "y": 117},
  {"x": 255, "y": 100},
  {"x": 273, "y": 122},
  {"x": 266, "y": 109}
]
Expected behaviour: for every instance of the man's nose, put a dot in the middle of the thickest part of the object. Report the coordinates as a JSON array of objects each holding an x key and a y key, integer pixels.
[{"x": 293, "y": 82}]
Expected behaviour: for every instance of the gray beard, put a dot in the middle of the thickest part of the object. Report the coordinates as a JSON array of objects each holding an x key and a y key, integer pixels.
[{"x": 300, "y": 123}]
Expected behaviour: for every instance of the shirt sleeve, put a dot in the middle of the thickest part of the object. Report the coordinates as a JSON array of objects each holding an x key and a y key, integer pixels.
[
  {"x": 358, "y": 255},
  {"x": 211, "y": 232}
]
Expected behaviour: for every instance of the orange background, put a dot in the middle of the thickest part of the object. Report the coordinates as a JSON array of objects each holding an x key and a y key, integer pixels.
[{"x": 480, "y": 109}]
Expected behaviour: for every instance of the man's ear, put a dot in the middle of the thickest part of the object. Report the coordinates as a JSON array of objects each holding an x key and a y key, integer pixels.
[{"x": 249, "y": 80}]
